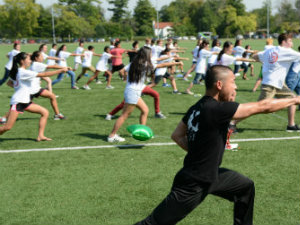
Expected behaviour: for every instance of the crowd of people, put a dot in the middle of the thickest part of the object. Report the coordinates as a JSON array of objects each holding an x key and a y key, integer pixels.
[{"x": 205, "y": 129}]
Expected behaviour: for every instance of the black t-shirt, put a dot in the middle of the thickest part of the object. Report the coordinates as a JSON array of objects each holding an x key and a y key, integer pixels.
[
  {"x": 207, "y": 123},
  {"x": 131, "y": 55}
]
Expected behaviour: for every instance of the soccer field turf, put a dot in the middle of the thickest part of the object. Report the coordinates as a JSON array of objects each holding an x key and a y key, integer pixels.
[{"x": 119, "y": 186}]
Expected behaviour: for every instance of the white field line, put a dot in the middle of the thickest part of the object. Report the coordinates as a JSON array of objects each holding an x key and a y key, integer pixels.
[{"x": 136, "y": 145}]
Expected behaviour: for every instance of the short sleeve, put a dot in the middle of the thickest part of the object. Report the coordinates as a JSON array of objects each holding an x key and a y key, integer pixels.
[
  {"x": 187, "y": 115},
  {"x": 261, "y": 56},
  {"x": 28, "y": 75},
  {"x": 224, "y": 112}
]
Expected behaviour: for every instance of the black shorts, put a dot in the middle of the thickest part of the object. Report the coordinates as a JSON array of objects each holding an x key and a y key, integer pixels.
[
  {"x": 117, "y": 68},
  {"x": 158, "y": 78},
  {"x": 20, "y": 107},
  {"x": 36, "y": 95}
]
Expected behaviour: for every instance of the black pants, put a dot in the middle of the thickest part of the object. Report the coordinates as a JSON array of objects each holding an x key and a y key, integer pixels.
[
  {"x": 186, "y": 194},
  {"x": 236, "y": 69}
]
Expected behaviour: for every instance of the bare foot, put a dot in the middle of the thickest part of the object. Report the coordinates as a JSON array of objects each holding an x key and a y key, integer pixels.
[{"x": 43, "y": 139}]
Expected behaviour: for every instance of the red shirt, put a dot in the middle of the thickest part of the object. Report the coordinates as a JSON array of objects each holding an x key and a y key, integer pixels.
[{"x": 117, "y": 52}]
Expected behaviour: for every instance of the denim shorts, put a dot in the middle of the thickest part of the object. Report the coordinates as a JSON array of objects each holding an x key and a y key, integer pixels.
[
  {"x": 293, "y": 81},
  {"x": 198, "y": 76},
  {"x": 132, "y": 96}
]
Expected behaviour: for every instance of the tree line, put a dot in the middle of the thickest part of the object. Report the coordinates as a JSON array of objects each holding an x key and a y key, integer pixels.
[{"x": 85, "y": 18}]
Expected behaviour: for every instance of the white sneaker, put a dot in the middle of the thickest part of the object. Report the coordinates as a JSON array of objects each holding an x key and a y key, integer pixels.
[
  {"x": 232, "y": 147},
  {"x": 86, "y": 87},
  {"x": 237, "y": 74},
  {"x": 108, "y": 117},
  {"x": 189, "y": 75},
  {"x": 109, "y": 87},
  {"x": 115, "y": 138},
  {"x": 185, "y": 79},
  {"x": 98, "y": 82}
]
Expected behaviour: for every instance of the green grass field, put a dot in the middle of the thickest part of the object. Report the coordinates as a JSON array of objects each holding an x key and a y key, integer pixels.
[{"x": 119, "y": 186}]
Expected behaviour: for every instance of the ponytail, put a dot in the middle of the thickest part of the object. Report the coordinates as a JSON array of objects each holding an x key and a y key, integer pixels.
[
  {"x": 16, "y": 63},
  {"x": 202, "y": 45},
  {"x": 59, "y": 50},
  {"x": 226, "y": 45},
  {"x": 35, "y": 55}
]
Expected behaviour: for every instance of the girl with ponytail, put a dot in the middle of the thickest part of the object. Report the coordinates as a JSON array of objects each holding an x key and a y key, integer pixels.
[
  {"x": 226, "y": 59},
  {"x": 20, "y": 79},
  {"x": 201, "y": 66},
  {"x": 64, "y": 55}
]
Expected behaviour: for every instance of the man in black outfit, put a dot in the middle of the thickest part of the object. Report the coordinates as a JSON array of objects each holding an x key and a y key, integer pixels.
[{"x": 202, "y": 133}]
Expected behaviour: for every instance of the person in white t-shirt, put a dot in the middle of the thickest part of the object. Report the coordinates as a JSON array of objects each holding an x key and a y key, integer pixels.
[
  {"x": 194, "y": 62},
  {"x": 203, "y": 54},
  {"x": 43, "y": 49},
  {"x": 238, "y": 51},
  {"x": 64, "y": 55},
  {"x": 214, "y": 48},
  {"x": 77, "y": 59},
  {"x": 87, "y": 62},
  {"x": 162, "y": 73},
  {"x": 140, "y": 67},
  {"x": 245, "y": 65},
  {"x": 10, "y": 56},
  {"x": 20, "y": 79},
  {"x": 226, "y": 59},
  {"x": 36, "y": 90},
  {"x": 102, "y": 66},
  {"x": 276, "y": 63},
  {"x": 52, "y": 53}
]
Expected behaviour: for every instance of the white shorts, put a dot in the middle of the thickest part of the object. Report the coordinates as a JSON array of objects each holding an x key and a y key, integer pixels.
[
  {"x": 132, "y": 96},
  {"x": 101, "y": 68}
]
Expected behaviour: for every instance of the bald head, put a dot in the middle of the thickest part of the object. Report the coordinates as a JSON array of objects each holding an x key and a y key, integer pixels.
[{"x": 215, "y": 73}]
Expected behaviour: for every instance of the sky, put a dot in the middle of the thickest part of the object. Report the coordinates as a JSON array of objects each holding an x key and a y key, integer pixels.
[{"x": 250, "y": 4}]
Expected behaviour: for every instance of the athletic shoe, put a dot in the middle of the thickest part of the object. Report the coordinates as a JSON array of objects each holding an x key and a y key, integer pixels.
[
  {"x": 109, "y": 117},
  {"x": 59, "y": 117},
  {"x": 189, "y": 92},
  {"x": 86, "y": 87},
  {"x": 2, "y": 120},
  {"x": 177, "y": 92},
  {"x": 294, "y": 128},
  {"x": 232, "y": 147},
  {"x": 159, "y": 115},
  {"x": 56, "y": 96},
  {"x": 185, "y": 79},
  {"x": 98, "y": 82},
  {"x": 166, "y": 85},
  {"x": 115, "y": 138},
  {"x": 109, "y": 87},
  {"x": 237, "y": 74},
  {"x": 74, "y": 87},
  {"x": 189, "y": 75}
]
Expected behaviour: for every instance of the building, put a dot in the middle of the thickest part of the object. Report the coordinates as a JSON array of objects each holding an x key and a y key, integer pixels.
[{"x": 164, "y": 29}]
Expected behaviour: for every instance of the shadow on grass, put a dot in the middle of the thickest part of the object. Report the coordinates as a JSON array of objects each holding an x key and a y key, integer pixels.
[
  {"x": 177, "y": 113},
  {"x": 244, "y": 90},
  {"x": 241, "y": 130},
  {"x": 93, "y": 136},
  {"x": 17, "y": 139}
]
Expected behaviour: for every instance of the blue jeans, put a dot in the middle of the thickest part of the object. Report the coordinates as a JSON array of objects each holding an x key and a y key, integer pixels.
[
  {"x": 61, "y": 76},
  {"x": 293, "y": 80},
  {"x": 5, "y": 77}
]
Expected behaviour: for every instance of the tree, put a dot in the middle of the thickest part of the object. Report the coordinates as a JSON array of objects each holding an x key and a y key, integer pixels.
[
  {"x": 90, "y": 10},
  {"x": 144, "y": 14},
  {"x": 45, "y": 23},
  {"x": 119, "y": 9},
  {"x": 68, "y": 23},
  {"x": 19, "y": 18},
  {"x": 238, "y": 5}
]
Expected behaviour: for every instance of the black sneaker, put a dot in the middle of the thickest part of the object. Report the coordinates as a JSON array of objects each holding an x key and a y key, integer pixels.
[{"x": 294, "y": 128}]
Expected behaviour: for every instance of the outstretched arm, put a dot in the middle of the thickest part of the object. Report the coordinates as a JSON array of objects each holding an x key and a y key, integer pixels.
[
  {"x": 179, "y": 136},
  {"x": 264, "y": 106}
]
